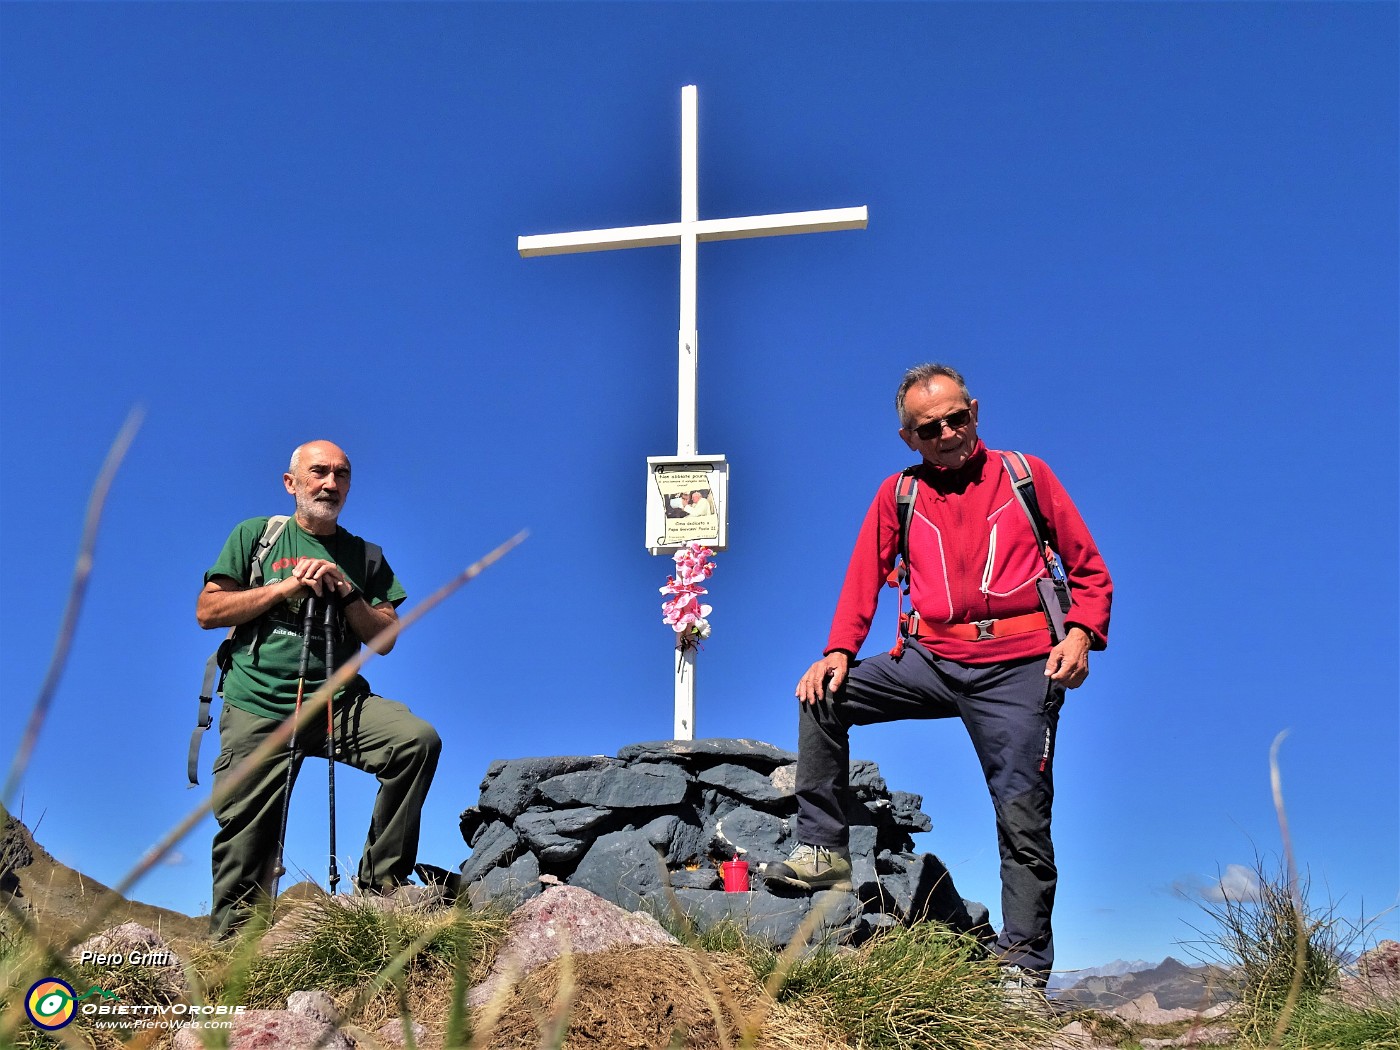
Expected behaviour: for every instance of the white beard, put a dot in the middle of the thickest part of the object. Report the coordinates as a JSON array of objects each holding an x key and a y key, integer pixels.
[{"x": 320, "y": 513}]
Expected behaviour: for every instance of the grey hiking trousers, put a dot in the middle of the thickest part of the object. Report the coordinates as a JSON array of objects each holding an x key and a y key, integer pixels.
[
  {"x": 379, "y": 736},
  {"x": 1011, "y": 712}
]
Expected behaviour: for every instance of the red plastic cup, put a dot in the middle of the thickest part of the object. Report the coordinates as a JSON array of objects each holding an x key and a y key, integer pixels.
[{"x": 736, "y": 876}]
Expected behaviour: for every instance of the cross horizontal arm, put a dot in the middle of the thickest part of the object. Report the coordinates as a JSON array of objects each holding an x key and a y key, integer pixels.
[
  {"x": 599, "y": 240},
  {"x": 829, "y": 220}
]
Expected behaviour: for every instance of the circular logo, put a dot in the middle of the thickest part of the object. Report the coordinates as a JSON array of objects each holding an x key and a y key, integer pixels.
[{"x": 50, "y": 1004}]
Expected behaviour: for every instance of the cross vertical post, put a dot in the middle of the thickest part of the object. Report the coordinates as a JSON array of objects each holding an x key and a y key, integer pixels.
[
  {"x": 686, "y": 427},
  {"x": 688, "y": 233},
  {"x": 687, "y": 396}
]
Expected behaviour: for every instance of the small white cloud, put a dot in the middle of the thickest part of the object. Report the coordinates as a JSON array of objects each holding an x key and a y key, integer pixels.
[
  {"x": 1238, "y": 883},
  {"x": 175, "y": 858}
]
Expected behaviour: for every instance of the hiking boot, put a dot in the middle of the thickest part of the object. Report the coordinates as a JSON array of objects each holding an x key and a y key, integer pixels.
[
  {"x": 1023, "y": 989},
  {"x": 812, "y": 868}
]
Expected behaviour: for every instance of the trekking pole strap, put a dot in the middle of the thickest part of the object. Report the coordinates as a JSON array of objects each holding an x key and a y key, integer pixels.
[{"x": 203, "y": 720}]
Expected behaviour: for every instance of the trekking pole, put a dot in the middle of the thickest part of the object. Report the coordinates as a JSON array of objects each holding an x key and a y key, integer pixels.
[
  {"x": 330, "y": 732},
  {"x": 307, "y": 620}
]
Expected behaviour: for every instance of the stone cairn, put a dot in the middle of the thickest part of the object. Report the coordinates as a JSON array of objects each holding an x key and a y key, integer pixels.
[{"x": 648, "y": 829}]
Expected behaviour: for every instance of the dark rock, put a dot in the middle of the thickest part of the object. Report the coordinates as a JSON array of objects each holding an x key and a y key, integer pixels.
[
  {"x": 624, "y": 868},
  {"x": 747, "y": 784},
  {"x": 755, "y": 753},
  {"x": 559, "y": 836},
  {"x": 872, "y": 922},
  {"x": 508, "y": 886},
  {"x": 470, "y": 822},
  {"x": 679, "y": 838},
  {"x": 616, "y": 788},
  {"x": 660, "y": 830},
  {"x": 751, "y": 833},
  {"x": 509, "y": 786},
  {"x": 862, "y": 841},
  {"x": 496, "y": 843},
  {"x": 865, "y": 883},
  {"x": 866, "y": 781},
  {"x": 926, "y": 891},
  {"x": 672, "y": 810},
  {"x": 703, "y": 878},
  {"x": 908, "y": 811},
  {"x": 776, "y": 920}
]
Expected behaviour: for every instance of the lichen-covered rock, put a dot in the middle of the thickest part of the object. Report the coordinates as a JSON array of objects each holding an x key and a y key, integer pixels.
[
  {"x": 391, "y": 1033},
  {"x": 132, "y": 944},
  {"x": 315, "y": 1004},
  {"x": 271, "y": 1030},
  {"x": 563, "y": 919}
]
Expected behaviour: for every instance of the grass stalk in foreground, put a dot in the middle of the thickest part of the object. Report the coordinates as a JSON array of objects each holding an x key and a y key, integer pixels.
[{"x": 1288, "y": 955}]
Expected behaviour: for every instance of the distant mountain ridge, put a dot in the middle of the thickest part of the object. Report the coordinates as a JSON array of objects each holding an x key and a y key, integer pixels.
[
  {"x": 1174, "y": 984},
  {"x": 1117, "y": 968}
]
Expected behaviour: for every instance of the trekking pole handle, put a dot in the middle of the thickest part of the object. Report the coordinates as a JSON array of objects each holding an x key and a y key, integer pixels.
[{"x": 308, "y": 620}]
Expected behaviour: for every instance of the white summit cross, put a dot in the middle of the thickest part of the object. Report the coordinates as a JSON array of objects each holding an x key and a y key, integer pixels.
[{"x": 687, "y": 233}]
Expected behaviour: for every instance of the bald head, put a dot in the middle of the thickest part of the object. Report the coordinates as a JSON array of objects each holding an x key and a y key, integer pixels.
[
  {"x": 320, "y": 446},
  {"x": 318, "y": 477}
]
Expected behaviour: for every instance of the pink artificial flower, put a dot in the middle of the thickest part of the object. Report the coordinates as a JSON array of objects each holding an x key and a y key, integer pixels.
[{"x": 683, "y": 612}]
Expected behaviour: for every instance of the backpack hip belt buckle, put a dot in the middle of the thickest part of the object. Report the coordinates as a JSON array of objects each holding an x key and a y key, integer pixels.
[{"x": 984, "y": 630}]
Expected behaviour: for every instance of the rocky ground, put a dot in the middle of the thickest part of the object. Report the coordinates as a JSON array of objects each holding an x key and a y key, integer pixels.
[{"x": 590, "y": 848}]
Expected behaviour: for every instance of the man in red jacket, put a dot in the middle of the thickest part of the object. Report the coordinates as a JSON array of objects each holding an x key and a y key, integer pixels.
[{"x": 979, "y": 649}]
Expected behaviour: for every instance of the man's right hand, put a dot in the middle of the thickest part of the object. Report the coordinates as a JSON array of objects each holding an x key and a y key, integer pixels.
[{"x": 828, "y": 672}]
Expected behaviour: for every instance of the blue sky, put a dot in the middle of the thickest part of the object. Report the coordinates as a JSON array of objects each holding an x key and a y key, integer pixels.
[{"x": 1159, "y": 239}]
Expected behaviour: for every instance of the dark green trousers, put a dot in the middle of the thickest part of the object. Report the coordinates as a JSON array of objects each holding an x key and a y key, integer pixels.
[{"x": 380, "y": 736}]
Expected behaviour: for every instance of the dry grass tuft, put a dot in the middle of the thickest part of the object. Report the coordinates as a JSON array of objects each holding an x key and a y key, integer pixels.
[{"x": 652, "y": 996}]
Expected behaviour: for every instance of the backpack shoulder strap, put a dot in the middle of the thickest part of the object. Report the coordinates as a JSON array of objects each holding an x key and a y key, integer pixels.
[
  {"x": 374, "y": 560},
  {"x": 906, "y": 490},
  {"x": 1019, "y": 470},
  {"x": 271, "y": 531},
  {"x": 216, "y": 667}
]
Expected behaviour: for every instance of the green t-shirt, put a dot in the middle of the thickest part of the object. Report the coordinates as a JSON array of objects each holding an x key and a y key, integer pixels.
[{"x": 267, "y": 652}]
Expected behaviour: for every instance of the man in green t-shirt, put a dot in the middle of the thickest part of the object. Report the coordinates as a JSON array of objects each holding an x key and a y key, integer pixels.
[{"x": 313, "y": 556}]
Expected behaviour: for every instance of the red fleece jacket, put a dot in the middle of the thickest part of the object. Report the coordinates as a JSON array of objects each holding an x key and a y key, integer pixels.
[{"x": 973, "y": 556}]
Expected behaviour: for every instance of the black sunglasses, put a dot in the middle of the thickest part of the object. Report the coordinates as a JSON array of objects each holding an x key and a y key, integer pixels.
[{"x": 934, "y": 427}]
